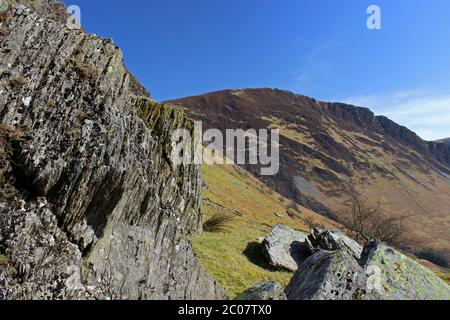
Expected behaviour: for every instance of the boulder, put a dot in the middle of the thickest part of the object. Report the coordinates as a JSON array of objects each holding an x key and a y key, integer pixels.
[
  {"x": 284, "y": 248},
  {"x": 328, "y": 275},
  {"x": 332, "y": 240},
  {"x": 394, "y": 276},
  {"x": 264, "y": 290}
]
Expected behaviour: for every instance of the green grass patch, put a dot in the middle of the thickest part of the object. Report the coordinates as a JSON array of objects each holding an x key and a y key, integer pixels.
[
  {"x": 232, "y": 255},
  {"x": 222, "y": 254}
]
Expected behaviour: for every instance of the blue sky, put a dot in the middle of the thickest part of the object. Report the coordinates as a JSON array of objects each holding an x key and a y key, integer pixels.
[{"x": 319, "y": 48}]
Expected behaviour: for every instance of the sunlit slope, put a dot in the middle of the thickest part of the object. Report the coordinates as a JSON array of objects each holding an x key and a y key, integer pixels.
[
  {"x": 324, "y": 145},
  {"x": 230, "y": 256}
]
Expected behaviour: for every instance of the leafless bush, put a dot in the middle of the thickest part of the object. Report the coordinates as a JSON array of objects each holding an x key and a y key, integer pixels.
[
  {"x": 293, "y": 205},
  {"x": 365, "y": 222}
]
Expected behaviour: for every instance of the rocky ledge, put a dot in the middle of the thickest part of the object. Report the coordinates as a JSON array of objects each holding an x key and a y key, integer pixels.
[{"x": 91, "y": 207}]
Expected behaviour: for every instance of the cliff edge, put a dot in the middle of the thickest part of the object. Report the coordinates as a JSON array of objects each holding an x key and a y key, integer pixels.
[{"x": 90, "y": 205}]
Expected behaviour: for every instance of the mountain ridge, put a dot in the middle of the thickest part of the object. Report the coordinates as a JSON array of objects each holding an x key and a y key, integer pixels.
[
  {"x": 325, "y": 144},
  {"x": 363, "y": 114}
]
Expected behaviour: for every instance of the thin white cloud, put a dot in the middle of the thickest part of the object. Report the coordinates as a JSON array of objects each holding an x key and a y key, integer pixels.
[
  {"x": 315, "y": 65},
  {"x": 425, "y": 112}
]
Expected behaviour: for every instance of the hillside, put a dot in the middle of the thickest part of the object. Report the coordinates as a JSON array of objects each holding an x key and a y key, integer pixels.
[
  {"x": 230, "y": 256},
  {"x": 325, "y": 144},
  {"x": 94, "y": 207}
]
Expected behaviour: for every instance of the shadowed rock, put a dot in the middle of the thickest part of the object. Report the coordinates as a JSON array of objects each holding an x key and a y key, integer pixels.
[
  {"x": 91, "y": 205},
  {"x": 3, "y": 284},
  {"x": 264, "y": 290},
  {"x": 332, "y": 240},
  {"x": 284, "y": 248},
  {"x": 328, "y": 276}
]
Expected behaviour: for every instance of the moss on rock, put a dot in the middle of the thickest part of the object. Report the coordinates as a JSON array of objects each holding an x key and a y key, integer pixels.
[{"x": 402, "y": 278}]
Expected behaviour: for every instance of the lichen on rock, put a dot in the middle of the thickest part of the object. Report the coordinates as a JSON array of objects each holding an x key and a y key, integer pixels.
[
  {"x": 398, "y": 277},
  {"x": 328, "y": 275},
  {"x": 108, "y": 215}
]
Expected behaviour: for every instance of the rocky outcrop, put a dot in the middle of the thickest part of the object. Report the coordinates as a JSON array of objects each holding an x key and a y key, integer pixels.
[
  {"x": 335, "y": 267},
  {"x": 91, "y": 206},
  {"x": 264, "y": 290},
  {"x": 397, "y": 277},
  {"x": 328, "y": 275},
  {"x": 383, "y": 273},
  {"x": 284, "y": 248},
  {"x": 3, "y": 284},
  {"x": 332, "y": 240},
  {"x": 52, "y": 9}
]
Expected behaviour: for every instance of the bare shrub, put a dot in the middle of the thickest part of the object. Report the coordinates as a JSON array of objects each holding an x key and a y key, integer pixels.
[{"x": 364, "y": 222}]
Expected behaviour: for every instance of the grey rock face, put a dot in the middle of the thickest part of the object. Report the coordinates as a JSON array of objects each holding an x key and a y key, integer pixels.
[
  {"x": 52, "y": 9},
  {"x": 393, "y": 276},
  {"x": 284, "y": 248},
  {"x": 328, "y": 276},
  {"x": 91, "y": 205},
  {"x": 264, "y": 290},
  {"x": 3, "y": 283},
  {"x": 42, "y": 257},
  {"x": 332, "y": 240}
]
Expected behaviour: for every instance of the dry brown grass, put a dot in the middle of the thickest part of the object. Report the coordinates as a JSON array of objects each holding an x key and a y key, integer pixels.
[{"x": 217, "y": 223}]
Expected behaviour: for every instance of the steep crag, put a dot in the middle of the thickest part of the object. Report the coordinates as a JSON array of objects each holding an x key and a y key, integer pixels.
[{"x": 91, "y": 207}]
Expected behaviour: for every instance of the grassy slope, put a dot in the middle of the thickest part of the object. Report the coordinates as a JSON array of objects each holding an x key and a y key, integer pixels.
[
  {"x": 233, "y": 191},
  {"x": 254, "y": 206}
]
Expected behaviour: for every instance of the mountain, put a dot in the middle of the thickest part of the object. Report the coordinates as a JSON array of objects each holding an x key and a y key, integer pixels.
[
  {"x": 446, "y": 141},
  {"x": 323, "y": 145},
  {"x": 93, "y": 207},
  {"x": 90, "y": 205}
]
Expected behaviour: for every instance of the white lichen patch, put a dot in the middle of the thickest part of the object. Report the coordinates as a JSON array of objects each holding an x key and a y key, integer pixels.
[{"x": 26, "y": 101}]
